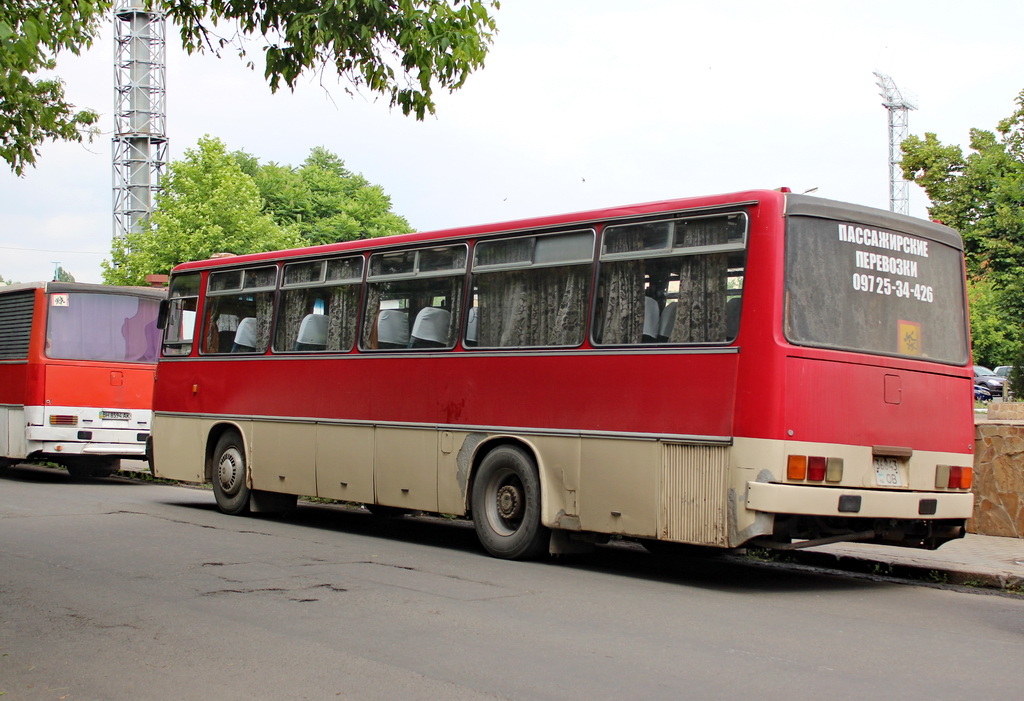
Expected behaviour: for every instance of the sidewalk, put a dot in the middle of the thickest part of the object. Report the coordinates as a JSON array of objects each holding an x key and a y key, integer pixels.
[{"x": 983, "y": 560}]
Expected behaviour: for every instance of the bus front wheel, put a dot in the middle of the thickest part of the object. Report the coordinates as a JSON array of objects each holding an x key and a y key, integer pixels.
[
  {"x": 506, "y": 505},
  {"x": 229, "y": 475}
]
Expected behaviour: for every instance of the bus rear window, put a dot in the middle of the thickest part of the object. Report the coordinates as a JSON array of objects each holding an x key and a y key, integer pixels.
[
  {"x": 91, "y": 326},
  {"x": 868, "y": 289}
]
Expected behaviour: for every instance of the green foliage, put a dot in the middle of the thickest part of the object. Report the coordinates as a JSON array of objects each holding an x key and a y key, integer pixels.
[
  {"x": 993, "y": 340},
  {"x": 207, "y": 206},
  {"x": 396, "y": 48},
  {"x": 401, "y": 49},
  {"x": 62, "y": 275},
  {"x": 982, "y": 196},
  {"x": 219, "y": 202},
  {"x": 322, "y": 200},
  {"x": 33, "y": 109}
]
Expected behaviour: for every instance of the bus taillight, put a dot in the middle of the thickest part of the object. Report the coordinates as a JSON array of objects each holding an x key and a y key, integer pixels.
[
  {"x": 63, "y": 420},
  {"x": 953, "y": 477},
  {"x": 814, "y": 468},
  {"x": 796, "y": 468}
]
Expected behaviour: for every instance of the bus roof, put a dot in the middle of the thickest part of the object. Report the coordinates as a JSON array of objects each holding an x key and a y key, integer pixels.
[
  {"x": 802, "y": 204},
  {"x": 56, "y": 286}
]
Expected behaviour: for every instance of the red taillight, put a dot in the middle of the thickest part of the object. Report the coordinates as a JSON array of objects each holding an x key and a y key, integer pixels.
[
  {"x": 954, "y": 476},
  {"x": 960, "y": 477},
  {"x": 816, "y": 469}
]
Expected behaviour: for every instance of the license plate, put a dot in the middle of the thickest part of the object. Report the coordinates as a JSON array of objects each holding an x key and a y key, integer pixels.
[
  {"x": 116, "y": 415},
  {"x": 887, "y": 472}
]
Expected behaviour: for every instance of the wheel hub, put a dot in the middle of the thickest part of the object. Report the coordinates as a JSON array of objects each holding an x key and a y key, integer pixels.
[
  {"x": 227, "y": 472},
  {"x": 510, "y": 502}
]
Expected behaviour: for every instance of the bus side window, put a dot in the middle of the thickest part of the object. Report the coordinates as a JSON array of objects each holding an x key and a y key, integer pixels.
[
  {"x": 414, "y": 298},
  {"x": 233, "y": 298},
  {"x": 318, "y": 307},
  {"x": 683, "y": 277},
  {"x": 180, "y": 321},
  {"x": 533, "y": 291}
]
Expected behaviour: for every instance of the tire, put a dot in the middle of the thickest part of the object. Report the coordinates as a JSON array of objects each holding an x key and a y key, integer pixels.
[
  {"x": 82, "y": 468},
  {"x": 230, "y": 475},
  {"x": 506, "y": 505}
]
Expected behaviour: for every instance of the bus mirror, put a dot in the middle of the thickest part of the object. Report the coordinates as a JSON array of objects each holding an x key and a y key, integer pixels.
[{"x": 161, "y": 318}]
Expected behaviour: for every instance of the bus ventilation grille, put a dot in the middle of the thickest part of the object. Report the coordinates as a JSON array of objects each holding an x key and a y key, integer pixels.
[{"x": 694, "y": 494}]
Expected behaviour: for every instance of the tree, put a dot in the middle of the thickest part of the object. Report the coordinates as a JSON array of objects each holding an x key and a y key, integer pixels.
[
  {"x": 982, "y": 196},
  {"x": 207, "y": 206},
  {"x": 32, "y": 32},
  {"x": 401, "y": 49},
  {"x": 62, "y": 275},
  {"x": 322, "y": 200}
]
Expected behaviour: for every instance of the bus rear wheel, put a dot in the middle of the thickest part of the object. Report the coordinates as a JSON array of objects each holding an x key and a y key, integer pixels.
[
  {"x": 506, "y": 505},
  {"x": 230, "y": 476},
  {"x": 90, "y": 467}
]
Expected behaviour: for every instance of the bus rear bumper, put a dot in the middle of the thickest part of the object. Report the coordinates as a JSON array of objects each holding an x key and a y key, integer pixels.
[
  {"x": 122, "y": 450},
  {"x": 804, "y": 500}
]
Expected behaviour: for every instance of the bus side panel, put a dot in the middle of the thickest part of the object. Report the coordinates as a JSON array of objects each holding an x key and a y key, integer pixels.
[
  {"x": 14, "y": 382},
  {"x": 283, "y": 457},
  {"x": 12, "y": 432},
  {"x": 179, "y": 447},
  {"x": 12, "y": 409},
  {"x": 405, "y": 468},
  {"x": 663, "y": 393},
  {"x": 102, "y": 386},
  {"x": 619, "y": 486},
  {"x": 344, "y": 463}
]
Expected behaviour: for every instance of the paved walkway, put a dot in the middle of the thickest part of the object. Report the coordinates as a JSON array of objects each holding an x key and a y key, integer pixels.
[{"x": 985, "y": 559}]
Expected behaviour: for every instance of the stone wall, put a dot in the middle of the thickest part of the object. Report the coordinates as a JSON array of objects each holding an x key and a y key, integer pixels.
[{"x": 999, "y": 475}]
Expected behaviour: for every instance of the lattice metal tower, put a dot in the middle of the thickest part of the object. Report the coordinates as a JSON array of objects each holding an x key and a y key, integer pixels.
[
  {"x": 898, "y": 106},
  {"x": 140, "y": 114}
]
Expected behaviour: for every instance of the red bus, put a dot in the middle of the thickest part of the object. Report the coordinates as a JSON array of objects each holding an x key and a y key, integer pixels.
[
  {"x": 753, "y": 367},
  {"x": 76, "y": 374}
]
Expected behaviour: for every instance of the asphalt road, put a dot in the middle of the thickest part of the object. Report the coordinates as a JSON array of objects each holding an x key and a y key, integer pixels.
[{"x": 118, "y": 589}]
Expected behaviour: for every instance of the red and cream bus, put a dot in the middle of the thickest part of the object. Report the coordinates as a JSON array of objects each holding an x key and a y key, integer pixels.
[
  {"x": 754, "y": 367},
  {"x": 76, "y": 373}
]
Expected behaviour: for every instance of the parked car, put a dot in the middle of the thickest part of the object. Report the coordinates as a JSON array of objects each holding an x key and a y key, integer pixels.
[
  {"x": 981, "y": 394},
  {"x": 1003, "y": 370},
  {"x": 983, "y": 377}
]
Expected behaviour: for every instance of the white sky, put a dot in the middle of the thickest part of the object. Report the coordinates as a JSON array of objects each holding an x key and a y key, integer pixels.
[{"x": 582, "y": 104}]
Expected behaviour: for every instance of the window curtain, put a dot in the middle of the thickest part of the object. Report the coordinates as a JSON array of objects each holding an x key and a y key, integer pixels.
[
  {"x": 264, "y": 319},
  {"x": 297, "y": 303},
  {"x": 621, "y": 319},
  {"x": 532, "y": 307},
  {"x": 373, "y": 297},
  {"x": 344, "y": 314},
  {"x": 702, "y": 285}
]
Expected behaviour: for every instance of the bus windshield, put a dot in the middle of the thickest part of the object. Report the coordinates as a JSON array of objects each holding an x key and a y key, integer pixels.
[
  {"x": 861, "y": 287},
  {"x": 105, "y": 327}
]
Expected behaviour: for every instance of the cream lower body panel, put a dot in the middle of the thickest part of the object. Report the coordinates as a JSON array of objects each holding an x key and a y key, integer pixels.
[{"x": 715, "y": 493}]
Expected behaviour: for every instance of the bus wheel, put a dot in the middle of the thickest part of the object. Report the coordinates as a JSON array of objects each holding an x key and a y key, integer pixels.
[
  {"x": 506, "y": 505},
  {"x": 229, "y": 475},
  {"x": 105, "y": 467},
  {"x": 89, "y": 467}
]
